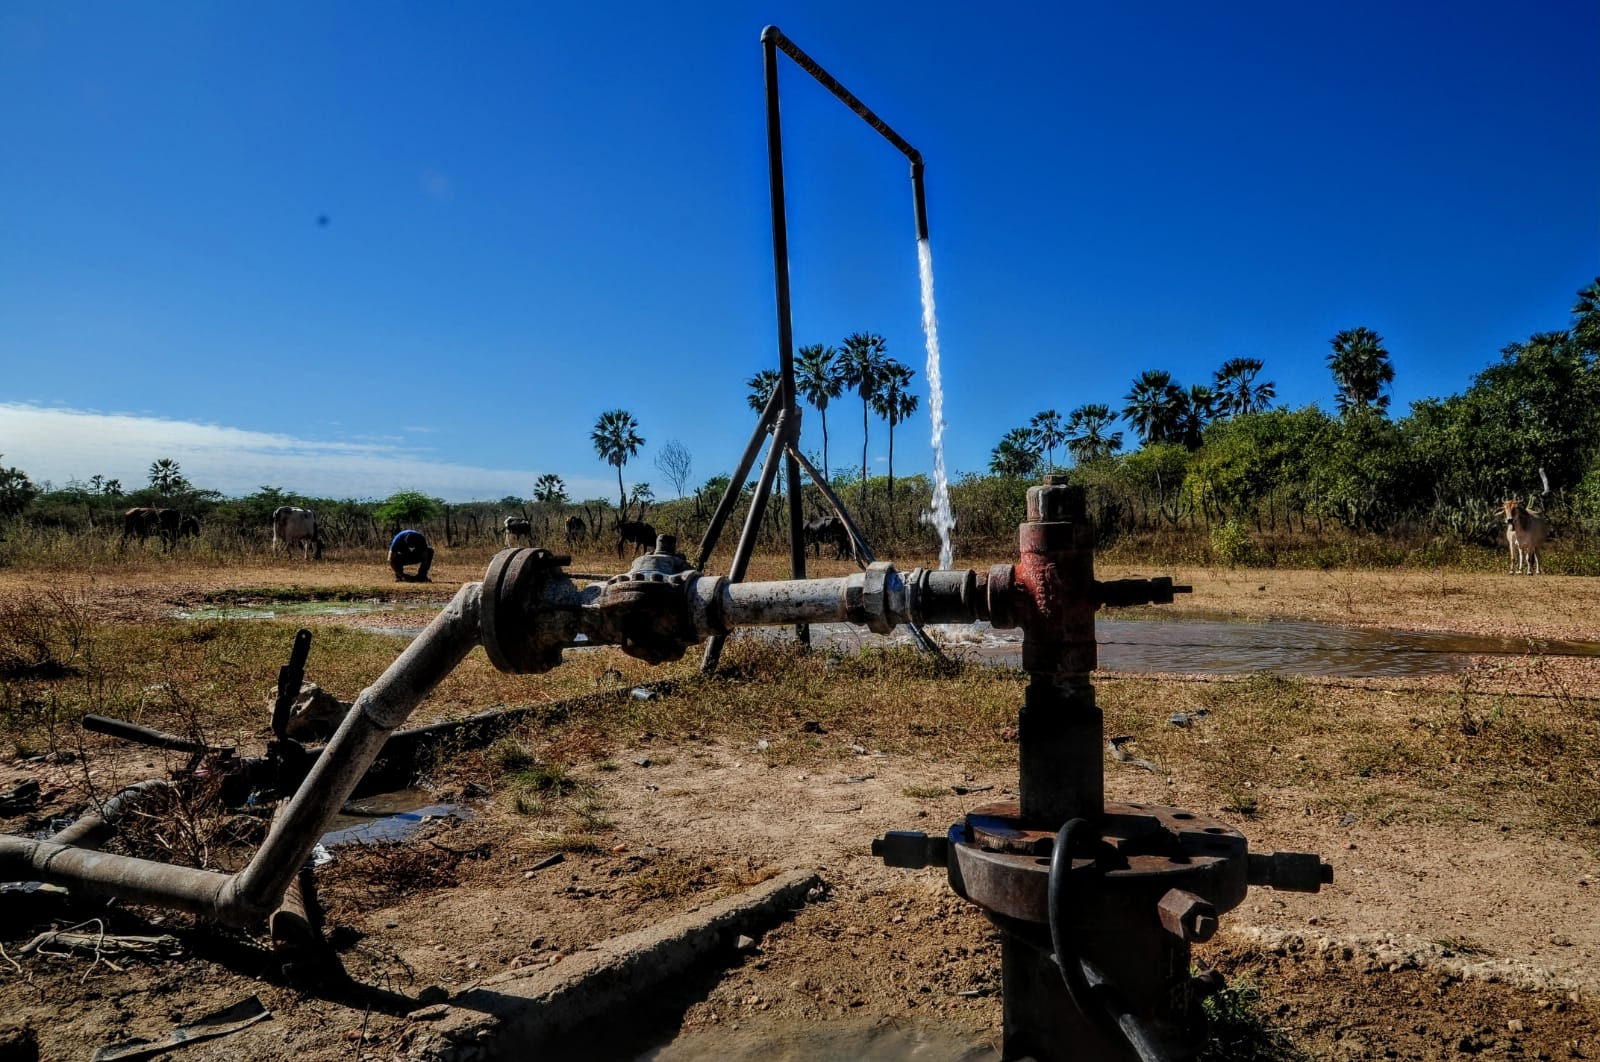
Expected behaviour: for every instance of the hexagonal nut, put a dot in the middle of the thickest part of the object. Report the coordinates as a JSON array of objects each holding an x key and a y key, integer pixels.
[{"x": 1187, "y": 916}]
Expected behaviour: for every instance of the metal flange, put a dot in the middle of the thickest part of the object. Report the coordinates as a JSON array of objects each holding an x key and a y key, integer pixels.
[
  {"x": 1003, "y": 865},
  {"x": 515, "y": 617}
]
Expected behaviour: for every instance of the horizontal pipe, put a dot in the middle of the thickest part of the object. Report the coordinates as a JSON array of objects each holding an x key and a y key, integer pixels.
[
  {"x": 774, "y": 604},
  {"x": 97, "y": 827},
  {"x": 143, "y": 735}
]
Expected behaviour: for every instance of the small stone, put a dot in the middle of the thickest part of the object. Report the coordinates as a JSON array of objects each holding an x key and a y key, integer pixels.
[
  {"x": 432, "y": 994},
  {"x": 1515, "y": 1025},
  {"x": 744, "y": 943},
  {"x": 642, "y": 761},
  {"x": 762, "y": 745}
]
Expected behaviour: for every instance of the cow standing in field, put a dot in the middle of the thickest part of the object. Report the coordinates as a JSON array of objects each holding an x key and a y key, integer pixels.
[
  {"x": 576, "y": 529},
  {"x": 641, "y": 534},
  {"x": 295, "y": 527},
  {"x": 144, "y": 522},
  {"x": 1525, "y": 533},
  {"x": 828, "y": 530},
  {"x": 518, "y": 527}
]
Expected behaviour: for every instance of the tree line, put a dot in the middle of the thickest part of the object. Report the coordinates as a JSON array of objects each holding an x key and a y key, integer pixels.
[
  {"x": 1527, "y": 426},
  {"x": 1218, "y": 459}
]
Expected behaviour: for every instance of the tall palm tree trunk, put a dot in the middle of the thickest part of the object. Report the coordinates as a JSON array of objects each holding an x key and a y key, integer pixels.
[
  {"x": 824, "y": 412},
  {"x": 863, "y": 451},
  {"x": 891, "y": 478}
]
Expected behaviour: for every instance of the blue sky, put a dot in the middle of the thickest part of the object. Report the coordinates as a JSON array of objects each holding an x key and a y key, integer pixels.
[{"x": 535, "y": 213}]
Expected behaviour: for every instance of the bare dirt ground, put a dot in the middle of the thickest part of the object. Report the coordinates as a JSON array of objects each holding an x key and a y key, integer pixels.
[{"x": 1445, "y": 935}]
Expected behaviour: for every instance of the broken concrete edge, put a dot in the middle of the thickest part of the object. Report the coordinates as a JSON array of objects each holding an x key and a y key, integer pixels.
[{"x": 506, "y": 1013}]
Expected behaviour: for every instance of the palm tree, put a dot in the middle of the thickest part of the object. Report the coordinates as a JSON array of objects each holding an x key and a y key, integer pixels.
[
  {"x": 1586, "y": 329},
  {"x": 166, "y": 477},
  {"x": 1237, "y": 391},
  {"x": 1153, "y": 406},
  {"x": 1361, "y": 369},
  {"x": 761, "y": 385},
  {"x": 1195, "y": 409},
  {"x": 550, "y": 489},
  {"x": 616, "y": 438},
  {"x": 1049, "y": 433},
  {"x": 1086, "y": 436},
  {"x": 1017, "y": 454},
  {"x": 894, "y": 403},
  {"x": 816, "y": 375},
  {"x": 861, "y": 366}
]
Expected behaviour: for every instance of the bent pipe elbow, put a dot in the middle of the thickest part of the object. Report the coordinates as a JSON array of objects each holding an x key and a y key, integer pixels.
[{"x": 256, "y": 891}]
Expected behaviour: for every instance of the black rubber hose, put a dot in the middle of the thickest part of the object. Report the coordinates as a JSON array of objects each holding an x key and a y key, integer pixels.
[{"x": 1095, "y": 999}]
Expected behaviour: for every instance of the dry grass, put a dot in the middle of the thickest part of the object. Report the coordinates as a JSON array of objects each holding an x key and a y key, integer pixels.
[{"x": 1517, "y": 742}]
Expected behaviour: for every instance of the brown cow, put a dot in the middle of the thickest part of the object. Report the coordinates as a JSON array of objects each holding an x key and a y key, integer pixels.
[{"x": 143, "y": 522}]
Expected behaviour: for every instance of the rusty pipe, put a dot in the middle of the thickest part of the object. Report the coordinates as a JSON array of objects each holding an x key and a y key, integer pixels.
[{"x": 254, "y": 892}]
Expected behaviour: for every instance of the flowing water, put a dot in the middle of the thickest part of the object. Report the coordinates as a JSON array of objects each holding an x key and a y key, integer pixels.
[{"x": 943, "y": 520}]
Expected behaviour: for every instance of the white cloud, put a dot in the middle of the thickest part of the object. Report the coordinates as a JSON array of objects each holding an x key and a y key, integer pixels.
[{"x": 61, "y": 444}]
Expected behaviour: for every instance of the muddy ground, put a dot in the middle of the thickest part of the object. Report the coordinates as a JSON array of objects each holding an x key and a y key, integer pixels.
[{"x": 1445, "y": 935}]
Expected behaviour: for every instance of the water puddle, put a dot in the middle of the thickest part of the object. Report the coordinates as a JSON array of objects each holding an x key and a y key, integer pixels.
[
  {"x": 833, "y": 1041},
  {"x": 387, "y": 817},
  {"x": 295, "y": 608},
  {"x": 1216, "y": 646},
  {"x": 1197, "y": 645}
]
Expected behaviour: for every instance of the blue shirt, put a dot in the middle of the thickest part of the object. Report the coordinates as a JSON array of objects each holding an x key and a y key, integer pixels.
[{"x": 408, "y": 540}]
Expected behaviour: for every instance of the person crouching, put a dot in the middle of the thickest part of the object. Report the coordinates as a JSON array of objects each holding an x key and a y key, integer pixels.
[{"x": 410, "y": 547}]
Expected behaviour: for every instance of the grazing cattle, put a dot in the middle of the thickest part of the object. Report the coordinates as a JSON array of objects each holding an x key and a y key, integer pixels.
[
  {"x": 829, "y": 530},
  {"x": 1525, "y": 533},
  {"x": 641, "y": 534},
  {"x": 295, "y": 527},
  {"x": 516, "y": 527},
  {"x": 142, "y": 523},
  {"x": 576, "y": 529},
  {"x": 189, "y": 527}
]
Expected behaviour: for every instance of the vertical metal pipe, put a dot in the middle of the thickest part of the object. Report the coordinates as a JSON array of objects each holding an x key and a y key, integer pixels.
[
  {"x": 747, "y": 538},
  {"x": 919, "y": 198},
  {"x": 730, "y": 497},
  {"x": 780, "y": 273},
  {"x": 1059, "y": 733}
]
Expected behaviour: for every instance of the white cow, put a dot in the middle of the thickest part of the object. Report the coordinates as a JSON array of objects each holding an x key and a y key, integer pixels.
[
  {"x": 1526, "y": 531},
  {"x": 518, "y": 527},
  {"x": 295, "y": 527}
]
